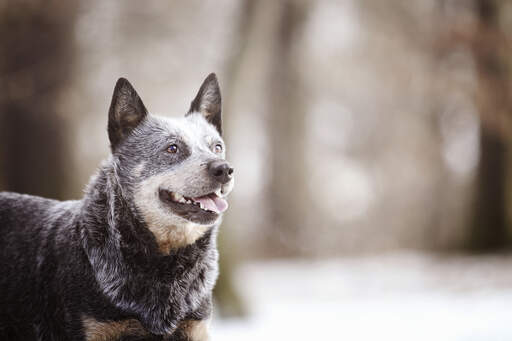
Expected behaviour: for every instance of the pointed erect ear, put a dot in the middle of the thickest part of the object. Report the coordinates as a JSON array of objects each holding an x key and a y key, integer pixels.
[
  {"x": 208, "y": 102},
  {"x": 126, "y": 112}
]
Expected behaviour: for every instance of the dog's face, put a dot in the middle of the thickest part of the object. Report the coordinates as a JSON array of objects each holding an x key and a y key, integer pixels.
[{"x": 174, "y": 170}]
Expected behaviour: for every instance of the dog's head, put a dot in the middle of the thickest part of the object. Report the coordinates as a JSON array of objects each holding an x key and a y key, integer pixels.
[{"x": 172, "y": 169}]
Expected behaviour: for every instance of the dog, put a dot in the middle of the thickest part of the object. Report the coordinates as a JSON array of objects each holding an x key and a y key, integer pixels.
[{"x": 136, "y": 257}]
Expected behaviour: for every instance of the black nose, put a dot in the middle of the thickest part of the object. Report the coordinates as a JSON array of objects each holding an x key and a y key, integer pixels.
[{"x": 220, "y": 171}]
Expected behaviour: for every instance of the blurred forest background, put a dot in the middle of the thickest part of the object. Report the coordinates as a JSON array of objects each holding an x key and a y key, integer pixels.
[{"x": 358, "y": 129}]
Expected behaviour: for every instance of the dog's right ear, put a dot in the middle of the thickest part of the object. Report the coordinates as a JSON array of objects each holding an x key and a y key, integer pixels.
[
  {"x": 126, "y": 112},
  {"x": 208, "y": 102}
]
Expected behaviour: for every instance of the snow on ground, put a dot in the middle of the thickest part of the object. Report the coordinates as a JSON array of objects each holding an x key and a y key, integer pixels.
[{"x": 404, "y": 296}]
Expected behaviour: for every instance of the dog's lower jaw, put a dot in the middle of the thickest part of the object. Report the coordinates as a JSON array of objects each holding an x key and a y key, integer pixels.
[{"x": 170, "y": 230}]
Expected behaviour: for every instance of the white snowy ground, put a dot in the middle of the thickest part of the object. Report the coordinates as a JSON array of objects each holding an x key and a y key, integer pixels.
[{"x": 401, "y": 296}]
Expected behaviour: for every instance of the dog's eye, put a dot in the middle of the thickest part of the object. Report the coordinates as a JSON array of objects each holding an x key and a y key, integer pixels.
[
  {"x": 218, "y": 148},
  {"x": 173, "y": 149}
]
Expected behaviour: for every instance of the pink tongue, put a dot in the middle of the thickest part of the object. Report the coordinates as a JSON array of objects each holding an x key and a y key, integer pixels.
[{"x": 213, "y": 203}]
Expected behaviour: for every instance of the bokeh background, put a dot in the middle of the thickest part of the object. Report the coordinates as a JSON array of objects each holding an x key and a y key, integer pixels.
[{"x": 371, "y": 142}]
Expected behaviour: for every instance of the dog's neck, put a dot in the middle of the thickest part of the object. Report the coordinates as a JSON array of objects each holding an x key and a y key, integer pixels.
[{"x": 119, "y": 246}]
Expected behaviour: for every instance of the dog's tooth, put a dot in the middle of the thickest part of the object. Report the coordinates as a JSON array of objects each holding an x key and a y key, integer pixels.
[
  {"x": 218, "y": 192},
  {"x": 177, "y": 197}
]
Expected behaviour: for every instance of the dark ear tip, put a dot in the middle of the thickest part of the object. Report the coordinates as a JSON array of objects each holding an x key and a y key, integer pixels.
[
  {"x": 212, "y": 77},
  {"x": 122, "y": 82}
]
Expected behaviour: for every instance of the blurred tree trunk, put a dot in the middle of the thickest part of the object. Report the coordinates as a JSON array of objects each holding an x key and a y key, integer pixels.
[
  {"x": 287, "y": 112},
  {"x": 492, "y": 54},
  {"x": 230, "y": 302},
  {"x": 36, "y": 39}
]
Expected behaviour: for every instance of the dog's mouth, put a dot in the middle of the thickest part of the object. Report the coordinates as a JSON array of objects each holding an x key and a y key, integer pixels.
[{"x": 203, "y": 209}]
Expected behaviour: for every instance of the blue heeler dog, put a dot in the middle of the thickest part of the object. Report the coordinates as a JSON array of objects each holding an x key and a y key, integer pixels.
[{"x": 136, "y": 258}]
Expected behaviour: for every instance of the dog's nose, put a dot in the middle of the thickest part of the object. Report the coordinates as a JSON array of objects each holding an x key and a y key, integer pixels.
[{"x": 220, "y": 171}]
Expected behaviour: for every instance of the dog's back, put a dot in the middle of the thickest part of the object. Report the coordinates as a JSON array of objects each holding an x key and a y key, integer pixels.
[
  {"x": 23, "y": 224},
  {"x": 26, "y": 222},
  {"x": 29, "y": 249}
]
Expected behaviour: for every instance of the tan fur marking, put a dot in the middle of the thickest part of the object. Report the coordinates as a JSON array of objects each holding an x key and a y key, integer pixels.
[
  {"x": 197, "y": 330},
  {"x": 109, "y": 331},
  {"x": 169, "y": 238}
]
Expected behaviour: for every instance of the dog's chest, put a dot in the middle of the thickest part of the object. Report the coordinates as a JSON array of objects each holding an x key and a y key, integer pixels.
[
  {"x": 94, "y": 330},
  {"x": 205, "y": 275}
]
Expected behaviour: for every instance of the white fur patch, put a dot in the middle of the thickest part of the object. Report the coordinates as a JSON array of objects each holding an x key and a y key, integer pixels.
[
  {"x": 195, "y": 130},
  {"x": 137, "y": 171},
  {"x": 227, "y": 188}
]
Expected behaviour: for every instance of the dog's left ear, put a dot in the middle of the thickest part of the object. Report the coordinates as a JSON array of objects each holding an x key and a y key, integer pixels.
[
  {"x": 208, "y": 102},
  {"x": 126, "y": 112}
]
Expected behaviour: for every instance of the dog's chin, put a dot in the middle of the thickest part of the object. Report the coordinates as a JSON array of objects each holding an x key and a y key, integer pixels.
[{"x": 203, "y": 210}]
